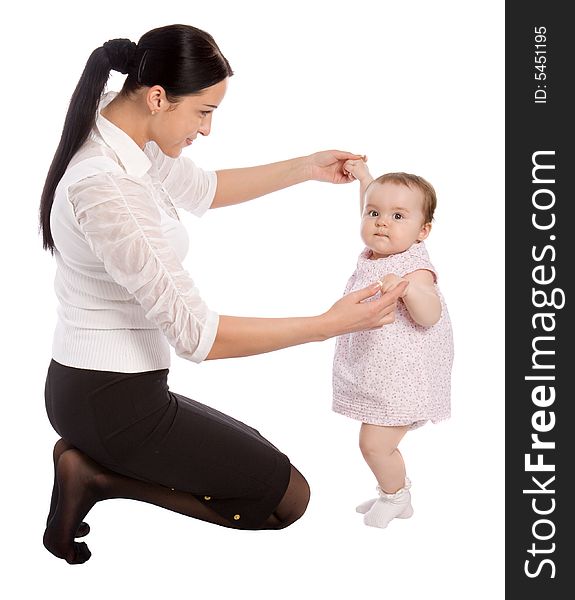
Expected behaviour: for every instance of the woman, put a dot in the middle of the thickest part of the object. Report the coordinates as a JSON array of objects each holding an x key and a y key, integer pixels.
[{"x": 108, "y": 214}]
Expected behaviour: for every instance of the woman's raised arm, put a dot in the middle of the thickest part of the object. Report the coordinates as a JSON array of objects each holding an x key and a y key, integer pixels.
[{"x": 239, "y": 185}]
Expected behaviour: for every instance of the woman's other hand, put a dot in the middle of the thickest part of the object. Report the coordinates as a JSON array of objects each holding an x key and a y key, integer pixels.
[
  {"x": 391, "y": 281},
  {"x": 353, "y": 313}
]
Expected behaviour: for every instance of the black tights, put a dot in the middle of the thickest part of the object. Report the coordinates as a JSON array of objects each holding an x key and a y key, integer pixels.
[{"x": 79, "y": 483}]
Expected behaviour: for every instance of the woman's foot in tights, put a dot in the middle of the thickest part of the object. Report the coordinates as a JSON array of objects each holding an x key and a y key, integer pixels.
[
  {"x": 79, "y": 481},
  {"x": 59, "y": 448}
]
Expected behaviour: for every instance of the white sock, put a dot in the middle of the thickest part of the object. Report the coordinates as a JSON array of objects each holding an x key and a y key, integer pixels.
[
  {"x": 389, "y": 506},
  {"x": 365, "y": 506}
]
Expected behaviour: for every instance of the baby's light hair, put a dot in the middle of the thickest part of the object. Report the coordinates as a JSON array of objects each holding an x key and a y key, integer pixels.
[{"x": 411, "y": 181}]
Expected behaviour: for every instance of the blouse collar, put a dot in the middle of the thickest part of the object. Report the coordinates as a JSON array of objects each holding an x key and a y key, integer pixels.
[{"x": 130, "y": 154}]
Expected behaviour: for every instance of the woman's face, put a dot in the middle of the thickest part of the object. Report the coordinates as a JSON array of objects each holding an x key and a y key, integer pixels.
[{"x": 175, "y": 126}]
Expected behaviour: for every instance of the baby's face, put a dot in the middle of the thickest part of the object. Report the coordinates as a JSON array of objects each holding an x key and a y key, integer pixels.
[{"x": 392, "y": 218}]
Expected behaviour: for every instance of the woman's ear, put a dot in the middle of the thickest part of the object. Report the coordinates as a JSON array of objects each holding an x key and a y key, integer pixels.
[
  {"x": 425, "y": 230},
  {"x": 156, "y": 98}
]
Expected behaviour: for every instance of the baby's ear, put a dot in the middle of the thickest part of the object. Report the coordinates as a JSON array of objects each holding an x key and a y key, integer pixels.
[{"x": 425, "y": 231}]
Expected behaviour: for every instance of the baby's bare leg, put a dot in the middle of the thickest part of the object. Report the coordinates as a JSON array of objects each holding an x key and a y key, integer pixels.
[{"x": 378, "y": 445}]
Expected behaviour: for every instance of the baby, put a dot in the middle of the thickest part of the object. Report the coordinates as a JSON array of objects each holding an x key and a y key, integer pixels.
[{"x": 397, "y": 377}]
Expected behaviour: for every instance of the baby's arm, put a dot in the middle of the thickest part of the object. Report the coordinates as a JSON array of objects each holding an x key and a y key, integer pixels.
[
  {"x": 358, "y": 170},
  {"x": 420, "y": 297}
]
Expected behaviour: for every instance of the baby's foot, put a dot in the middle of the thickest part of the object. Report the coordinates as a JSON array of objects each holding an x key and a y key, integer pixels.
[
  {"x": 79, "y": 487},
  {"x": 388, "y": 507},
  {"x": 365, "y": 506}
]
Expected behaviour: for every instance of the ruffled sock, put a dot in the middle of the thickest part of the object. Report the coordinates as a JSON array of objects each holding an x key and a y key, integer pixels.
[{"x": 389, "y": 506}]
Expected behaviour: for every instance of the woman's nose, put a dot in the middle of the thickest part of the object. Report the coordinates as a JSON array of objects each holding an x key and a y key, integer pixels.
[{"x": 206, "y": 125}]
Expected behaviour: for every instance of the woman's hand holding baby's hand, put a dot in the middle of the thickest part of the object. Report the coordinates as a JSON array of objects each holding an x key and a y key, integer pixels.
[
  {"x": 329, "y": 166},
  {"x": 357, "y": 169},
  {"x": 352, "y": 313},
  {"x": 391, "y": 281}
]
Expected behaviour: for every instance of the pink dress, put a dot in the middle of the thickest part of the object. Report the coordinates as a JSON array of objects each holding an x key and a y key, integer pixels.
[{"x": 399, "y": 374}]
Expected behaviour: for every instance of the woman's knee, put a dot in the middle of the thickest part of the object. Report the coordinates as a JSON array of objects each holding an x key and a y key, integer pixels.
[{"x": 294, "y": 502}]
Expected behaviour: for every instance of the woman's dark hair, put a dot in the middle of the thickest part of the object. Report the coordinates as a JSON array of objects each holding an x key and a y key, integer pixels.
[{"x": 182, "y": 59}]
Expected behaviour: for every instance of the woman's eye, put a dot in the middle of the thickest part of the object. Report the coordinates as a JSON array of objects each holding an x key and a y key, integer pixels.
[
  {"x": 373, "y": 213},
  {"x": 204, "y": 113}
]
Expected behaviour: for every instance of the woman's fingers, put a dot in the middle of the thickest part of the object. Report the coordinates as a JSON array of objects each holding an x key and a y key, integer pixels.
[
  {"x": 367, "y": 292},
  {"x": 393, "y": 295},
  {"x": 341, "y": 155},
  {"x": 386, "y": 297},
  {"x": 352, "y": 313},
  {"x": 386, "y": 305},
  {"x": 382, "y": 310},
  {"x": 389, "y": 282}
]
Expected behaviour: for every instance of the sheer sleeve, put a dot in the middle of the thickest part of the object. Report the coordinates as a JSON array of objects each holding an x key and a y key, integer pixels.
[
  {"x": 189, "y": 187},
  {"x": 122, "y": 226}
]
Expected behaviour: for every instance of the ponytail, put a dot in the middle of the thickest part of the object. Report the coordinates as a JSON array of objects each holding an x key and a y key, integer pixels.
[{"x": 79, "y": 121}]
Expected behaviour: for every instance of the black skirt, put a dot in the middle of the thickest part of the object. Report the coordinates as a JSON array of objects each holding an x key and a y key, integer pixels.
[{"x": 132, "y": 424}]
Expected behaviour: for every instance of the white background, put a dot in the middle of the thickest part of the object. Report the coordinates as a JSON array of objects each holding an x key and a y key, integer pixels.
[{"x": 418, "y": 87}]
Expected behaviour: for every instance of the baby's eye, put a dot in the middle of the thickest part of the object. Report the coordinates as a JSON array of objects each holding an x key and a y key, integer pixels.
[
  {"x": 373, "y": 213},
  {"x": 397, "y": 216}
]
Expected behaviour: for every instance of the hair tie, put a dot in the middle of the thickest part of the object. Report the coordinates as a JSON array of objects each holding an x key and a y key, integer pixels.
[{"x": 121, "y": 53}]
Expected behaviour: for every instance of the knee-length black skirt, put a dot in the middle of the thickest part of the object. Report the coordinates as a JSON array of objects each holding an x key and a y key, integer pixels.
[{"x": 134, "y": 425}]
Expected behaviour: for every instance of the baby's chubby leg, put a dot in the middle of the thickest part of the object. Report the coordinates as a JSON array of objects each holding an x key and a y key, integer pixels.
[
  {"x": 378, "y": 445},
  {"x": 379, "y": 448}
]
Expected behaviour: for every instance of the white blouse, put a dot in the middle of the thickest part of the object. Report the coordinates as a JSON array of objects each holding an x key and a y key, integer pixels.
[{"x": 123, "y": 292}]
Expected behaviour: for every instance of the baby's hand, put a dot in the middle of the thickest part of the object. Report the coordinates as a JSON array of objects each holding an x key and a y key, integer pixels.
[
  {"x": 357, "y": 169},
  {"x": 391, "y": 281}
]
